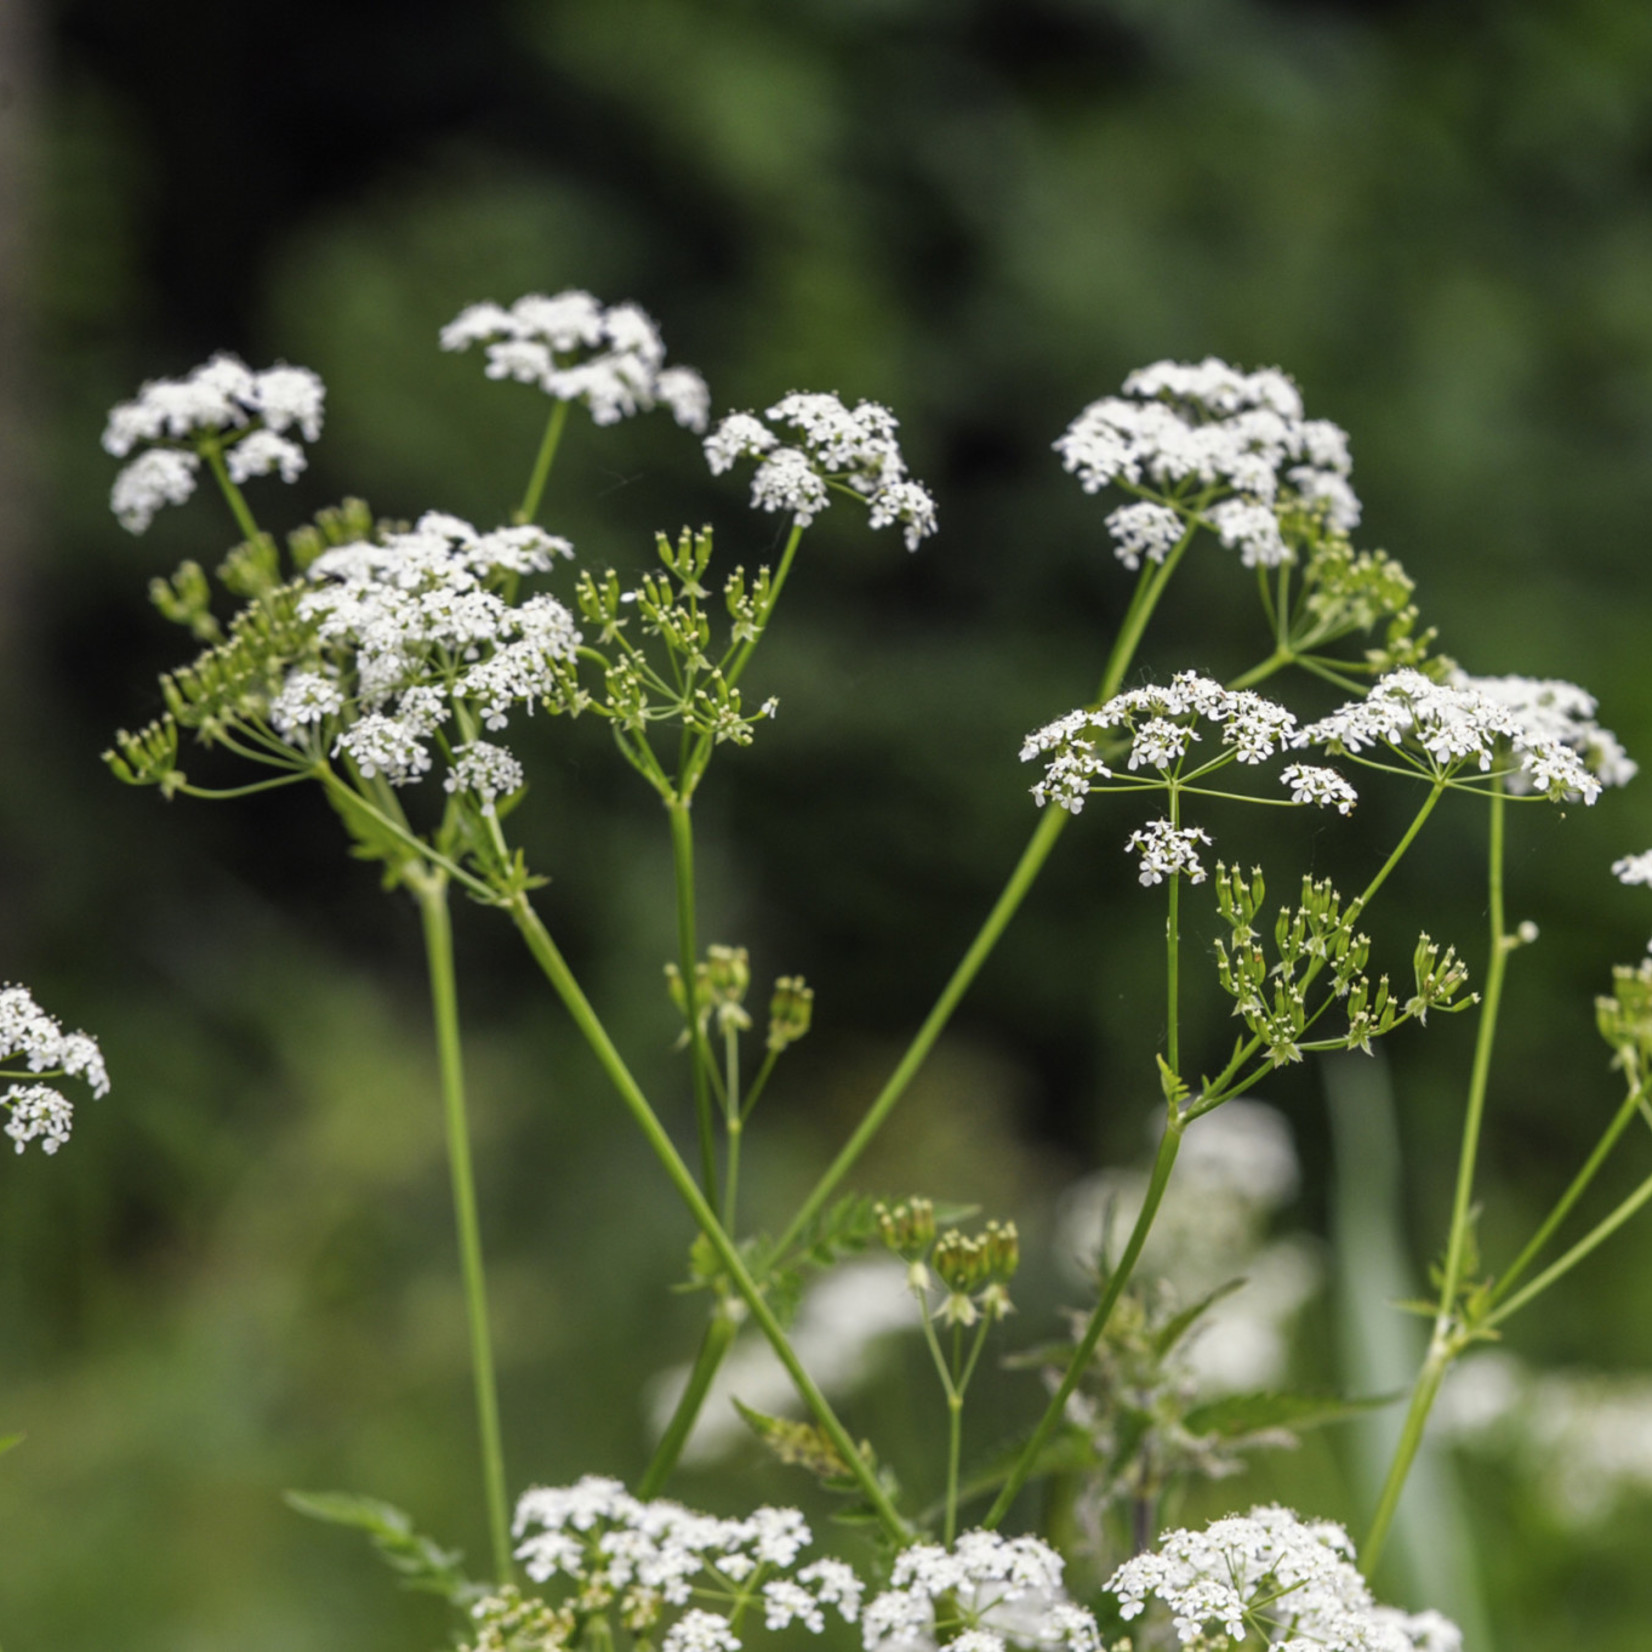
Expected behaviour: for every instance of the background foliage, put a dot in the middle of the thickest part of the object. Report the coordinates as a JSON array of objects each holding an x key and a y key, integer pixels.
[{"x": 983, "y": 212}]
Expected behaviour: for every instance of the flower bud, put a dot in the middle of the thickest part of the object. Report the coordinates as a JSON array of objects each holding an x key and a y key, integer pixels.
[{"x": 790, "y": 1011}]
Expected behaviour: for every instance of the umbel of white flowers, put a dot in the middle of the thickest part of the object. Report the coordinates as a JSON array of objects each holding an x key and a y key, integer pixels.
[
  {"x": 657, "y": 1564},
  {"x": 823, "y": 446},
  {"x": 1208, "y": 441},
  {"x": 571, "y": 347},
  {"x": 28, "y": 1034},
  {"x": 1291, "y": 1583},
  {"x": 246, "y": 416}
]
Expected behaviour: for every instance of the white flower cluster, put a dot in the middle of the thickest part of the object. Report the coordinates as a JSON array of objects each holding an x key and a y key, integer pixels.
[
  {"x": 1167, "y": 850},
  {"x": 1212, "y": 427},
  {"x": 248, "y": 413},
  {"x": 1325, "y": 787},
  {"x": 1289, "y": 1581},
  {"x": 1557, "y": 748},
  {"x": 412, "y": 624},
  {"x": 574, "y": 349},
  {"x": 1634, "y": 868},
  {"x": 38, "y": 1112},
  {"x": 1161, "y": 723},
  {"x": 832, "y": 446},
  {"x": 645, "y": 1557},
  {"x": 989, "y": 1591}
]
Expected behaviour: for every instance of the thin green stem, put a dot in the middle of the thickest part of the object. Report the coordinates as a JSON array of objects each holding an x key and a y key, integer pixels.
[
  {"x": 552, "y": 438},
  {"x": 734, "y": 1122},
  {"x": 431, "y": 890},
  {"x": 719, "y": 1336},
  {"x": 549, "y": 958},
  {"x": 1602, "y": 1231},
  {"x": 1163, "y": 1164},
  {"x": 776, "y": 586},
  {"x": 1044, "y": 838},
  {"x": 1444, "y": 1345},
  {"x": 1173, "y": 955},
  {"x": 682, "y": 861},
  {"x": 1534, "y": 1246},
  {"x": 1271, "y": 666},
  {"x": 758, "y": 1084},
  {"x": 213, "y": 453},
  {"x": 954, "y": 1456},
  {"x": 243, "y": 791}
]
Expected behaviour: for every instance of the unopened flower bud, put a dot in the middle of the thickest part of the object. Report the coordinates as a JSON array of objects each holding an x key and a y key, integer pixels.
[
  {"x": 961, "y": 1261},
  {"x": 1003, "y": 1249},
  {"x": 908, "y": 1229},
  {"x": 790, "y": 1011}
]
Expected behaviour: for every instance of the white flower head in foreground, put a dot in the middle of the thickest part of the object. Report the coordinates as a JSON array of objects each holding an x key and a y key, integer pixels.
[
  {"x": 223, "y": 404},
  {"x": 987, "y": 1592},
  {"x": 407, "y": 629},
  {"x": 1325, "y": 787},
  {"x": 821, "y": 445},
  {"x": 1292, "y": 1583},
  {"x": 1207, "y": 435},
  {"x": 1441, "y": 729},
  {"x": 1161, "y": 722},
  {"x": 33, "y": 1042},
  {"x": 1167, "y": 850},
  {"x": 575, "y": 349},
  {"x": 601, "y": 1545}
]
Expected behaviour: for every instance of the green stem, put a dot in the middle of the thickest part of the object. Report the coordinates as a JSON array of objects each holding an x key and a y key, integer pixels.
[
  {"x": 776, "y": 585},
  {"x": 1274, "y": 663},
  {"x": 1116, "y": 1281},
  {"x": 1049, "y": 830},
  {"x": 682, "y": 857},
  {"x": 1173, "y": 951},
  {"x": 542, "y": 464},
  {"x": 1444, "y": 1345},
  {"x": 431, "y": 890},
  {"x": 735, "y": 1124},
  {"x": 719, "y": 1336},
  {"x": 214, "y": 456},
  {"x": 551, "y": 961},
  {"x": 1562, "y": 1209},
  {"x": 954, "y": 1455}
]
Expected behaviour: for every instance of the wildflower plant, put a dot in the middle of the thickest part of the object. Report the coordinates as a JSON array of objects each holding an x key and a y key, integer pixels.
[{"x": 392, "y": 664}]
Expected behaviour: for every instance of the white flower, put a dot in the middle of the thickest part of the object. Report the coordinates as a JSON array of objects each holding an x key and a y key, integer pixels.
[
  {"x": 489, "y": 771},
  {"x": 1293, "y": 1581},
  {"x": 829, "y": 443},
  {"x": 1634, "y": 868},
  {"x": 285, "y": 396},
  {"x": 575, "y": 350},
  {"x": 223, "y": 395},
  {"x": 1325, "y": 787},
  {"x": 1210, "y": 426},
  {"x": 786, "y": 481},
  {"x": 1144, "y": 529},
  {"x": 1454, "y": 725},
  {"x": 701, "y": 1631},
  {"x": 307, "y": 697},
  {"x": 38, "y": 1113},
  {"x": 262, "y": 451},
  {"x": 162, "y": 476},
  {"x": 1554, "y": 713},
  {"x": 1167, "y": 850},
  {"x": 1004, "y": 1590},
  {"x": 1252, "y": 530}
]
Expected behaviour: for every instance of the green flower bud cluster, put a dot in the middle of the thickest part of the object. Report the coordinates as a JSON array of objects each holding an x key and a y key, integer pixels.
[
  {"x": 1317, "y": 938},
  {"x": 974, "y": 1270},
  {"x": 1624, "y": 1017},
  {"x": 791, "y": 1010},
  {"x": 694, "y": 685},
  {"x": 721, "y": 979}
]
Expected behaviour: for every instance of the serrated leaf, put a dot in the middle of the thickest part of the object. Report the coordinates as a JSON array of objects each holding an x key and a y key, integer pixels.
[
  {"x": 803, "y": 1445},
  {"x": 1178, "y": 1327},
  {"x": 423, "y": 1563},
  {"x": 1240, "y": 1414}
]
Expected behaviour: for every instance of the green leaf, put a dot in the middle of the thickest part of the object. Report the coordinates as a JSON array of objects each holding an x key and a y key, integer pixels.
[
  {"x": 7, "y": 1441},
  {"x": 1177, "y": 1328},
  {"x": 1240, "y": 1414},
  {"x": 423, "y": 1563}
]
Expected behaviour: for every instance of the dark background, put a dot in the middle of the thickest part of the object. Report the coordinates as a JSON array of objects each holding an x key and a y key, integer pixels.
[{"x": 239, "y": 1277}]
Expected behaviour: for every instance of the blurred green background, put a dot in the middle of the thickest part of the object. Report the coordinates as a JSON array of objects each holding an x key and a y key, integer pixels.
[{"x": 984, "y": 212}]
